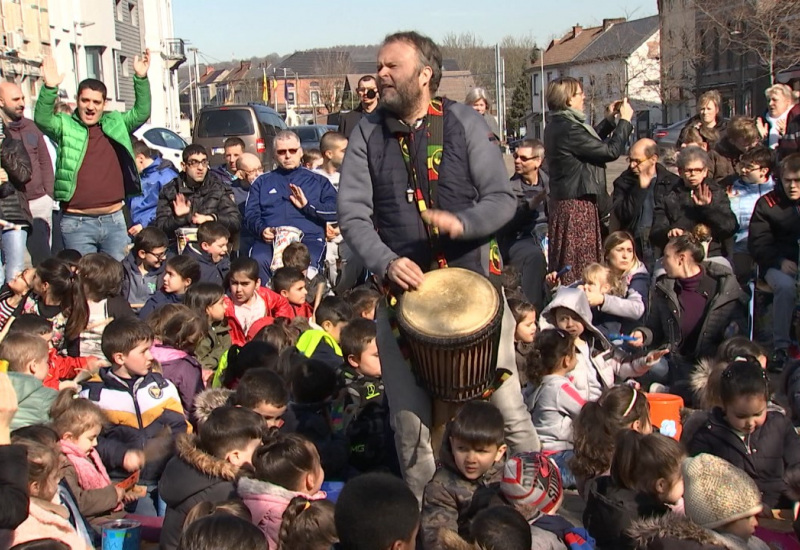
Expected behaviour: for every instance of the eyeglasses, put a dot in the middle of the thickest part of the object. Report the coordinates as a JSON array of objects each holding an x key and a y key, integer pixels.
[
  {"x": 194, "y": 162},
  {"x": 636, "y": 162},
  {"x": 749, "y": 168},
  {"x": 524, "y": 158},
  {"x": 282, "y": 152},
  {"x": 692, "y": 170},
  {"x": 161, "y": 256}
]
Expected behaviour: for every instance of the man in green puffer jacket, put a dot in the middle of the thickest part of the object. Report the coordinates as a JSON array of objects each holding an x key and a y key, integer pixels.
[{"x": 95, "y": 167}]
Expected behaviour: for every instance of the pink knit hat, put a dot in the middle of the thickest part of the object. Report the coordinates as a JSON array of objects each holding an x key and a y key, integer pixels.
[{"x": 532, "y": 481}]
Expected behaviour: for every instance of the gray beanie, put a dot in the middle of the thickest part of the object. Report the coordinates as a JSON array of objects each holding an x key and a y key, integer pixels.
[{"x": 717, "y": 493}]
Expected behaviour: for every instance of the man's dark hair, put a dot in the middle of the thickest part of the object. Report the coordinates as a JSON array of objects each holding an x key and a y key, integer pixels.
[
  {"x": 312, "y": 381},
  {"x": 297, "y": 255},
  {"x": 149, "y": 238},
  {"x": 393, "y": 512},
  {"x": 233, "y": 142},
  {"x": 333, "y": 309},
  {"x": 760, "y": 156},
  {"x": 501, "y": 528},
  {"x": 285, "y": 277},
  {"x": 478, "y": 423},
  {"x": 31, "y": 323},
  {"x": 141, "y": 148},
  {"x": 355, "y": 337},
  {"x": 428, "y": 52},
  {"x": 329, "y": 140},
  {"x": 193, "y": 149},
  {"x": 185, "y": 266},
  {"x": 210, "y": 232},
  {"x": 123, "y": 334},
  {"x": 260, "y": 385},
  {"x": 69, "y": 255},
  {"x": 366, "y": 78},
  {"x": 228, "y": 429},
  {"x": 94, "y": 85},
  {"x": 790, "y": 164}
]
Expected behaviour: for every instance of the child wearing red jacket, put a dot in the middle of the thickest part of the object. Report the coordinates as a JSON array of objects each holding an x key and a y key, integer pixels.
[{"x": 290, "y": 283}]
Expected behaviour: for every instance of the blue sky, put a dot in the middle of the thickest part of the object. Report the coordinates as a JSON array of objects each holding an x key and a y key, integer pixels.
[{"x": 244, "y": 28}]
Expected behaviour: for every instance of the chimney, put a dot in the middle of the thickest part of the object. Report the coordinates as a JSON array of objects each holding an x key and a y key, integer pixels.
[
  {"x": 576, "y": 30},
  {"x": 209, "y": 70},
  {"x": 608, "y": 23}
]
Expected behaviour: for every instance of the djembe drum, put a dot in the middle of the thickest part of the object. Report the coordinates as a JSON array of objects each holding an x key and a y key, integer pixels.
[{"x": 451, "y": 324}]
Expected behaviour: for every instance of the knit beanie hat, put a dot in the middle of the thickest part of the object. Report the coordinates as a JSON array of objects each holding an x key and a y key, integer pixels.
[
  {"x": 532, "y": 482},
  {"x": 716, "y": 492}
]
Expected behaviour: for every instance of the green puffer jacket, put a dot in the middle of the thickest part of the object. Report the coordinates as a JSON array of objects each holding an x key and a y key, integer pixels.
[
  {"x": 72, "y": 135},
  {"x": 34, "y": 400}
]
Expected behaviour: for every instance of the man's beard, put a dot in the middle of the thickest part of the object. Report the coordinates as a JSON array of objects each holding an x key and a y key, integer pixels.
[
  {"x": 12, "y": 114},
  {"x": 405, "y": 99}
]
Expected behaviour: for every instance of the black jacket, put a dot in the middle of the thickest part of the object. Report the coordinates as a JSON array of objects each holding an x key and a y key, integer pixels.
[
  {"x": 767, "y": 455},
  {"x": 313, "y": 422},
  {"x": 774, "y": 230},
  {"x": 350, "y": 120},
  {"x": 610, "y": 510},
  {"x": 13, "y": 486},
  {"x": 726, "y": 304},
  {"x": 577, "y": 160},
  {"x": 17, "y": 163},
  {"x": 212, "y": 197},
  {"x": 629, "y": 198},
  {"x": 678, "y": 211},
  {"x": 210, "y": 272},
  {"x": 191, "y": 477}
]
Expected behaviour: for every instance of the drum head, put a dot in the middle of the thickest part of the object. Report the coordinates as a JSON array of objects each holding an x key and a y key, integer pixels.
[{"x": 450, "y": 303}]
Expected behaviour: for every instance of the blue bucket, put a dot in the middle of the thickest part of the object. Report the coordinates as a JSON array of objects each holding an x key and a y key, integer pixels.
[
  {"x": 122, "y": 534},
  {"x": 332, "y": 489}
]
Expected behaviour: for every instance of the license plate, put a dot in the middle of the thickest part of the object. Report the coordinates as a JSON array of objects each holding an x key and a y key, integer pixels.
[{"x": 217, "y": 150}]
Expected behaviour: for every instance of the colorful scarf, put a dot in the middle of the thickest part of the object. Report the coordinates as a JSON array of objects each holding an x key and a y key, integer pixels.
[{"x": 91, "y": 472}]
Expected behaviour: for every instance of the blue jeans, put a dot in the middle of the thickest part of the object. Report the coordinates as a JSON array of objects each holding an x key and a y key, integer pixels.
[
  {"x": 149, "y": 505},
  {"x": 562, "y": 459},
  {"x": 105, "y": 233},
  {"x": 14, "y": 242}
]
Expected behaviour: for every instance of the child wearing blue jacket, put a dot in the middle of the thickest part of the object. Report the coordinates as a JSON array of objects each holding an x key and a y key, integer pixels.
[{"x": 154, "y": 172}]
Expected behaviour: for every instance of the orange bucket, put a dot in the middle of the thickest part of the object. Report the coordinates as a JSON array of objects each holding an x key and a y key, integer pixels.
[{"x": 665, "y": 413}]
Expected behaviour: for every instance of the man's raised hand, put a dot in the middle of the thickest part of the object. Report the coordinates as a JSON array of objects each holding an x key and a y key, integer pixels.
[
  {"x": 142, "y": 64},
  {"x": 52, "y": 78}
]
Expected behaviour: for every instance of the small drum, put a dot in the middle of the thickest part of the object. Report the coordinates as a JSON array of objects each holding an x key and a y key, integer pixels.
[
  {"x": 185, "y": 236},
  {"x": 452, "y": 325},
  {"x": 284, "y": 236}
]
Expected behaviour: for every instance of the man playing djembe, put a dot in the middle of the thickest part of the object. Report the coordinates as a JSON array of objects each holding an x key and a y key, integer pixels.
[{"x": 424, "y": 186}]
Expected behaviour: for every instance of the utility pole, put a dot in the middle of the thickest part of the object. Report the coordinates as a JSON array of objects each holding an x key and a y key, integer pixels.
[
  {"x": 197, "y": 79},
  {"x": 541, "y": 85}
]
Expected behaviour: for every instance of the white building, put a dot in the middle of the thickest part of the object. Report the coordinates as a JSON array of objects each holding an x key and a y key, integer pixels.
[
  {"x": 678, "y": 57},
  {"x": 618, "y": 59}
]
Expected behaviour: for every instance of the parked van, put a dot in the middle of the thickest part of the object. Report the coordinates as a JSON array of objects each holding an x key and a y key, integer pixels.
[{"x": 255, "y": 124}]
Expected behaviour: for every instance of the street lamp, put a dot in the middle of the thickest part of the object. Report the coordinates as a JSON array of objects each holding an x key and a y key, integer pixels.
[{"x": 541, "y": 79}]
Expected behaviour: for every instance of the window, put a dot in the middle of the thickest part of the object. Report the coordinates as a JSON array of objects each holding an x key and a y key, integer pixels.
[
  {"x": 94, "y": 62},
  {"x": 225, "y": 123},
  {"x": 165, "y": 138},
  {"x": 133, "y": 9},
  {"x": 315, "y": 97},
  {"x": 535, "y": 84},
  {"x": 609, "y": 84},
  {"x": 549, "y": 76},
  {"x": 580, "y": 80},
  {"x": 119, "y": 9}
]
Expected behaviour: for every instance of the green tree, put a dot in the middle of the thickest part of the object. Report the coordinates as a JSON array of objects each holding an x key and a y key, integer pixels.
[{"x": 519, "y": 106}]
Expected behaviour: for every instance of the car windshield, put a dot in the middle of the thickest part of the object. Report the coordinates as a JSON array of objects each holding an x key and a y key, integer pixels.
[
  {"x": 307, "y": 133},
  {"x": 225, "y": 122}
]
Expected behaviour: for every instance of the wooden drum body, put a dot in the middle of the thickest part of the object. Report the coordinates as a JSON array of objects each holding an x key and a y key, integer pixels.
[{"x": 452, "y": 326}]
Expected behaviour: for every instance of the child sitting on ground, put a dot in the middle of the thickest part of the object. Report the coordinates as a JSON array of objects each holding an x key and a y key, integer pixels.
[
  {"x": 393, "y": 518},
  {"x": 471, "y": 456},
  {"x": 313, "y": 386},
  {"x": 46, "y": 519},
  {"x": 291, "y": 284},
  {"x": 251, "y": 306},
  {"x": 78, "y": 423},
  {"x": 722, "y": 506},
  {"x": 554, "y": 403},
  {"x": 61, "y": 368},
  {"x": 364, "y": 301},
  {"x": 308, "y": 524},
  {"x": 645, "y": 480},
  {"x": 762, "y": 443},
  {"x": 179, "y": 274},
  {"x": 363, "y": 403},
  {"x": 211, "y": 252},
  {"x": 14, "y": 293},
  {"x": 27, "y": 356},
  {"x": 208, "y": 300},
  {"x": 322, "y": 344},
  {"x": 143, "y": 406},
  {"x": 296, "y": 255},
  {"x": 206, "y": 466},
  {"x": 286, "y": 466},
  {"x": 617, "y": 307},
  {"x": 177, "y": 331},
  {"x": 524, "y": 333},
  {"x": 598, "y": 366},
  {"x": 143, "y": 267}
]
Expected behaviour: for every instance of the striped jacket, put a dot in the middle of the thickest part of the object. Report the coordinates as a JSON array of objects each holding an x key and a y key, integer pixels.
[{"x": 145, "y": 416}]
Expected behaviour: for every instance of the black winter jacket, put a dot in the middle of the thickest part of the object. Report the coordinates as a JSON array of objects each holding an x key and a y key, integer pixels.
[
  {"x": 610, "y": 510},
  {"x": 212, "y": 197},
  {"x": 774, "y": 230},
  {"x": 13, "y": 486},
  {"x": 210, "y": 272},
  {"x": 767, "y": 455},
  {"x": 15, "y": 160},
  {"x": 350, "y": 120},
  {"x": 191, "y": 477},
  {"x": 577, "y": 160},
  {"x": 726, "y": 304},
  {"x": 629, "y": 198},
  {"x": 678, "y": 211}
]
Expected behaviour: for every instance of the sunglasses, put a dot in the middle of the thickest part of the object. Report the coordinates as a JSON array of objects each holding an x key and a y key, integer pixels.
[
  {"x": 692, "y": 170},
  {"x": 282, "y": 152},
  {"x": 524, "y": 158}
]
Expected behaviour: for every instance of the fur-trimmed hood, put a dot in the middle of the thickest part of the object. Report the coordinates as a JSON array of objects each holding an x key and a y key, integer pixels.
[
  {"x": 208, "y": 400},
  {"x": 705, "y": 382},
  {"x": 678, "y": 531},
  {"x": 193, "y": 471}
]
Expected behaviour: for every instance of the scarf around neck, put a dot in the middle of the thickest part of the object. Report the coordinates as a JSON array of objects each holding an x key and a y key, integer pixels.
[
  {"x": 91, "y": 472},
  {"x": 578, "y": 117}
]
